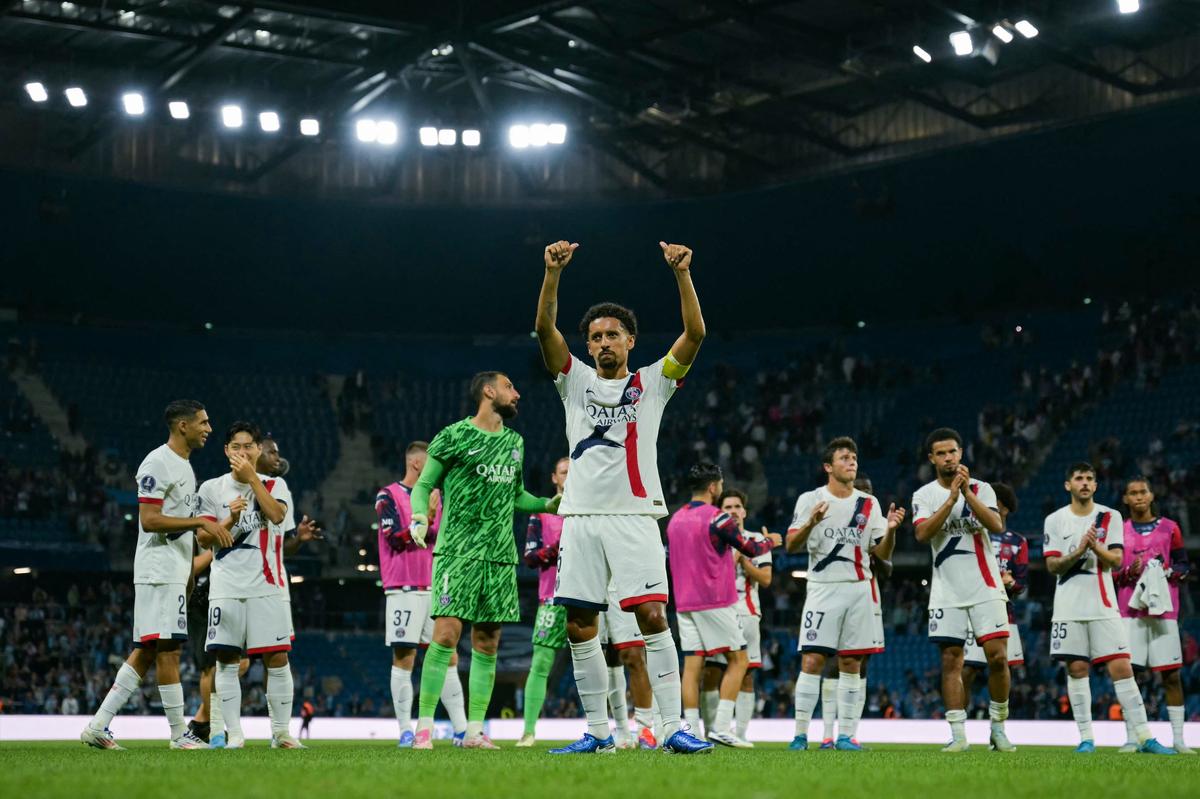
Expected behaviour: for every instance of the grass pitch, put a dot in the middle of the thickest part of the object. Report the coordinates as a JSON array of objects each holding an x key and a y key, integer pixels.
[{"x": 368, "y": 769}]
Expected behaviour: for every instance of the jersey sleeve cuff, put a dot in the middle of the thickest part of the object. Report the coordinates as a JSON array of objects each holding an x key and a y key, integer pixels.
[
  {"x": 1052, "y": 554},
  {"x": 149, "y": 501}
]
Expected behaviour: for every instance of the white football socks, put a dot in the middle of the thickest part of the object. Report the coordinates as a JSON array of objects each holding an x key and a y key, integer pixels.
[
  {"x": 1079, "y": 692},
  {"x": 998, "y": 713},
  {"x": 829, "y": 706},
  {"x": 216, "y": 714},
  {"x": 229, "y": 688},
  {"x": 617, "y": 701},
  {"x": 591, "y": 683},
  {"x": 849, "y": 708},
  {"x": 1132, "y": 707},
  {"x": 708, "y": 709},
  {"x": 126, "y": 682},
  {"x": 281, "y": 691},
  {"x": 743, "y": 711},
  {"x": 724, "y": 718},
  {"x": 958, "y": 724},
  {"x": 452, "y": 700},
  {"x": 172, "y": 702},
  {"x": 402, "y": 697},
  {"x": 662, "y": 664},
  {"x": 808, "y": 691}
]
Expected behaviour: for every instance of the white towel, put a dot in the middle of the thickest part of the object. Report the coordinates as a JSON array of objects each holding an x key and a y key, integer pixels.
[{"x": 1151, "y": 592}]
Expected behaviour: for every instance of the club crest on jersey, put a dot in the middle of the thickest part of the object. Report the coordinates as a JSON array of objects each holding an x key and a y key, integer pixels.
[
  {"x": 860, "y": 520},
  {"x": 633, "y": 393},
  {"x": 147, "y": 483},
  {"x": 516, "y": 454}
]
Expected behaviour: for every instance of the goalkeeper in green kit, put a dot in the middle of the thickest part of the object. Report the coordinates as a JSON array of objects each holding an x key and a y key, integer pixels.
[{"x": 478, "y": 464}]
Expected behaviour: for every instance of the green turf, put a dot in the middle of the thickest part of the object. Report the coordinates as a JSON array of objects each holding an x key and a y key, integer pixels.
[{"x": 379, "y": 770}]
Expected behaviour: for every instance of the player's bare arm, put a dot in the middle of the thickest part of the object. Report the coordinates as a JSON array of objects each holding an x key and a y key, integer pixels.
[
  {"x": 930, "y": 527},
  {"x": 685, "y": 348},
  {"x": 244, "y": 472},
  {"x": 1109, "y": 558},
  {"x": 306, "y": 530},
  {"x": 759, "y": 575},
  {"x": 201, "y": 562},
  {"x": 555, "y": 352},
  {"x": 883, "y": 550},
  {"x": 207, "y": 531},
  {"x": 797, "y": 537},
  {"x": 989, "y": 518},
  {"x": 1060, "y": 564}
]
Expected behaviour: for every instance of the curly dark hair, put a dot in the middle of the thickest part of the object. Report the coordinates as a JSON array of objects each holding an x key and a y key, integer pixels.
[{"x": 608, "y": 309}]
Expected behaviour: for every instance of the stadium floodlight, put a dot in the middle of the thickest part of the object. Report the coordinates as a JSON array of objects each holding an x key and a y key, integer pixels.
[
  {"x": 269, "y": 121},
  {"x": 922, "y": 53},
  {"x": 1128, "y": 6},
  {"x": 470, "y": 138},
  {"x": 447, "y": 137},
  {"x": 1002, "y": 33},
  {"x": 310, "y": 127},
  {"x": 135, "y": 104},
  {"x": 556, "y": 133},
  {"x": 1026, "y": 29},
  {"x": 37, "y": 92},
  {"x": 961, "y": 42},
  {"x": 387, "y": 132},
  {"x": 179, "y": 109},
  {"x": 518, "y": 136},
  {"x": 539, "y": 134},
  {"x": 23, "y": 570},
  {"x": 366, "y": 130},
  {"x": 428, "y": 136},
  {"x": 231, "y": 116},
  {"x": 76, "y": 97}
]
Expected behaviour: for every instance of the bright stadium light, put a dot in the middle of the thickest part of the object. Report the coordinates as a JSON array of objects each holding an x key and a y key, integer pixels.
[
  {"x": 961, "y": 42},
  {"x": 428, "y": 136},
  {"x": 539, "y": 134},
  {"x": 387, "y": 131},
  {"x": 269, "y": 121},
  {"x": 37, "y": 92},
  {"x": 231, "y": 115},
  {"x": 135, "y": 104},
  {"x": 310, "y": 127},
  {"x": 76, "y": 97},
  {"x": 23, "y": 570},
  {"x": 179, "y": 109},
  {"x": 366, "y": 130},
  {"x": 1128, "y": 6},
  {"x": 447, "y": 137},
  {"x": 1026, "y": 29},
  {"x": 1002, "y": 33},
  {"x": 518, "y": 136},
  {"x": 922, "y": 53},
  {"x": 556, "y": 133},
  {"x": 470, "y": 138}
]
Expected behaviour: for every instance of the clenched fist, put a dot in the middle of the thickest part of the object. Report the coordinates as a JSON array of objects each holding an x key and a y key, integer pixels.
[
  {"x": 559, "y": 255},
  {"x": 678, "y": 257}
]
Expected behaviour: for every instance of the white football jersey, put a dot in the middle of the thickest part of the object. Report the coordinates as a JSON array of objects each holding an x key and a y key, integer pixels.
[
  {"x": 612, "y": 430},
  {"x": 253, "y": 565},
  {"x": 1085, "y": 592},
  {"x": 165, "y": 479},
  {"x": 748, "y": 591},
  {"x": 839, "y": 545},
  {"x": 964, "y": 564},
  {"x": 289, "y": 523}
]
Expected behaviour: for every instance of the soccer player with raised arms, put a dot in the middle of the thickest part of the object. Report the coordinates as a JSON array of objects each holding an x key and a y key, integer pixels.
[
  {"x": 162, "y": 567},
  {"x": 956, "y": 515},
  {"x": 613, "y": 495},
  {"x": 478, "y": 463},
  {"x": 841, "y": 528},
  {"x": 1083, "y": 546}
]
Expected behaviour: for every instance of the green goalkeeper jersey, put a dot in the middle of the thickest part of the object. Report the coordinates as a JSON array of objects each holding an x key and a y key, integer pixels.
[{"x": 481, "y": 481}]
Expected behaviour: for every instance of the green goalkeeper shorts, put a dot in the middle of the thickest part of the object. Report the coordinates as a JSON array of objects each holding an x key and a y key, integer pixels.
[
  {"x": 550, "y": 626},
  {"x": 475, "y": 590}
]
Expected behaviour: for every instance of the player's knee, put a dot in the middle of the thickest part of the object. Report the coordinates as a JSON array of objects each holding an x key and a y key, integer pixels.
[
  {"x": 952, "y": 659},
  {"x": 1171, "y": 679},
  {"x": 997, "y": 661},
  {"x": 631, "y": 658},
  {"x": 651, "y": 617}
]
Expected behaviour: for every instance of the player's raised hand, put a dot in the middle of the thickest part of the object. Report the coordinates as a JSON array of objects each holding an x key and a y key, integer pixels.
[
  {"x": 1006, "y": 578},
  {"x": 559, "y": 254},
  {"x": 308, "y": 530},
  {"x": 236, "y": 507},
  {"x": 775, "y": 538},
  {"x": 956, "y": 486},
  {"x": 553, "y": 503},
  {"x": 965, "y": 473},
  {"x": 895, "y": 517},
  {"x": 418, "y": 528},
  {"x": 1087, "y": 542},
  {"x": 678, "y": 257},
  {"x": 242, "y": 467},
  {"x": 214, "y": 535},
  {"x": 819, "y": 512}
]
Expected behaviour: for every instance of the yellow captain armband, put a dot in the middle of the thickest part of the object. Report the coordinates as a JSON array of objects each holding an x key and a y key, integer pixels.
[{"x": 673, "y": 368}]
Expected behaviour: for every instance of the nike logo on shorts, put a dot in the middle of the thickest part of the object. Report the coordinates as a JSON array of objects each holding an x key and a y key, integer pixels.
[
  {"x": 651, "y": 585},
  {"x": 284, "y": 638}
]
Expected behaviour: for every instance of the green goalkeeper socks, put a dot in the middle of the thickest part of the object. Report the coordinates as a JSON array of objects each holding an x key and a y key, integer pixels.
[
  {"x": 481, "y": 682},
  {"x": 535, "y": 685},
  {"x": 433, "y": 677}
]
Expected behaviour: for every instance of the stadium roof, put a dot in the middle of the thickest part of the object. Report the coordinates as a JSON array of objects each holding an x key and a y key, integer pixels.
[{"x": 660, "y": 97}]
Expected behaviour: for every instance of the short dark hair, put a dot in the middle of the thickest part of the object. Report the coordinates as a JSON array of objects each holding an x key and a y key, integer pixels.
[
  {"x": 841, "y": 442},
  {"x": 733, "y": 492},
  {"x": 1141, "y": 478},
  {"x": 478, "y": 382},
  {"x": 1080, "y": 466},
  {"x": 180, "y": 409},
  {"x": 608, "y": 309},
  {"x": 416, "y": 446},
  {"x": 942, "y": 434},
  {"x": 703, "y": 473},
  {"x": 1006, "y": 496},
  {"x": 244, "y": 427}
]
